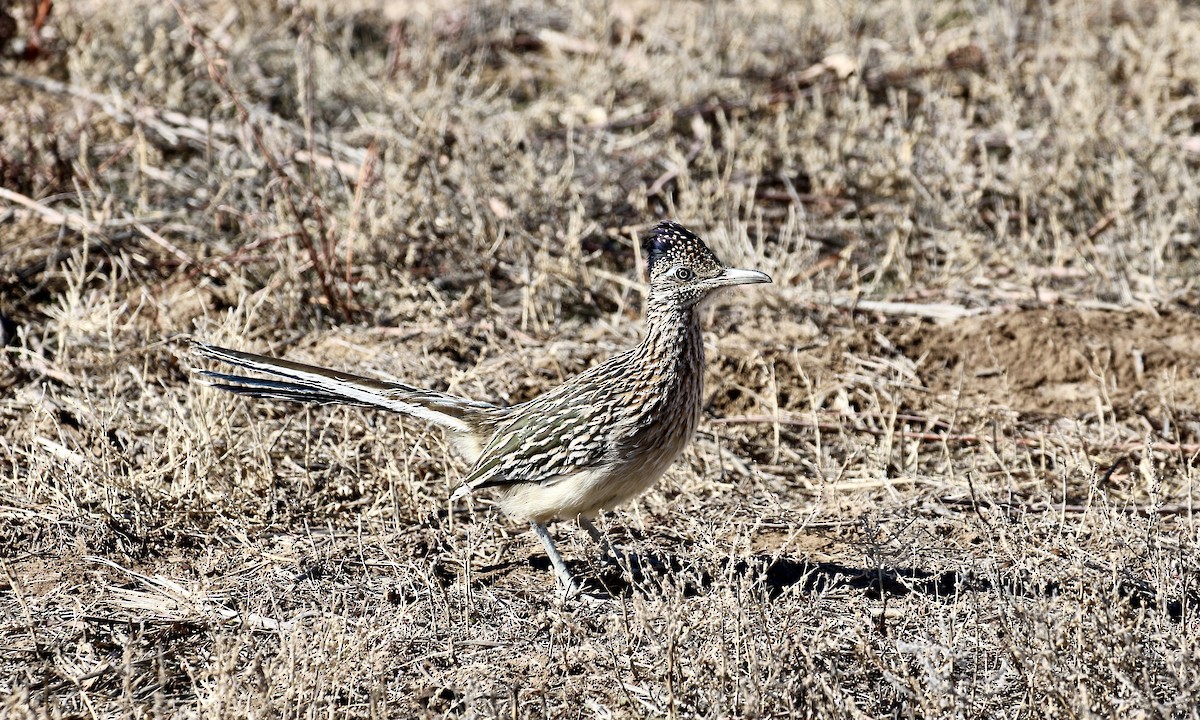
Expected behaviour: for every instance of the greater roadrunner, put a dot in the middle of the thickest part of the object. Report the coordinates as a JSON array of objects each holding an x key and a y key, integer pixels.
[{"x": 589, "y": 444}]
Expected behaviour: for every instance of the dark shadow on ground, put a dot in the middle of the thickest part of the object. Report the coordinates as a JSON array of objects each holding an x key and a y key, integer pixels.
[{"x": 779, "y": 575}]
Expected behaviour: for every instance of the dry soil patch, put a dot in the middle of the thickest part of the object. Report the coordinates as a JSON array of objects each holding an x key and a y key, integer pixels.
[{"x": 1061, "y": 361}]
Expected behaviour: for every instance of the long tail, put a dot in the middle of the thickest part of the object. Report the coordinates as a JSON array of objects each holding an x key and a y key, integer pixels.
[{"x": 295, "y": 381}]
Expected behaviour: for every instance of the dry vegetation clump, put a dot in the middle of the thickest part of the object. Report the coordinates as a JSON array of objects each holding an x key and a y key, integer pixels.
[{"x": 949, "y": 465}]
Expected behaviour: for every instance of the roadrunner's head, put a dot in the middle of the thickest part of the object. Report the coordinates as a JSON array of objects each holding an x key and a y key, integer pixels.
[{"x": 683, "y": 271}]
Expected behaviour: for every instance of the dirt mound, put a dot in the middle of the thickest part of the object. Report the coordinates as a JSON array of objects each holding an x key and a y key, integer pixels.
[{"x": 1064, "y": 361}]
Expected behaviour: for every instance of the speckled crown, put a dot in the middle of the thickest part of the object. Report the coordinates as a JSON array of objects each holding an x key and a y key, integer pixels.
[{"x": 670, "y": 243}]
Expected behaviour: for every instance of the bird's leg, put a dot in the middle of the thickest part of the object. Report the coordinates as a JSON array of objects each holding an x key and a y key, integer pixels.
[
  {"x": 625, "y": 558},
  {"x": 606, "y": 546},
  {"x": 592, "y": 530},
  {"x": 565, "y": 580}
]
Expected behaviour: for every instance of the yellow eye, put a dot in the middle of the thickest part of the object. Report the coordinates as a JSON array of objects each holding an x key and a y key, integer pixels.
[{"x": 683, "y": 274}]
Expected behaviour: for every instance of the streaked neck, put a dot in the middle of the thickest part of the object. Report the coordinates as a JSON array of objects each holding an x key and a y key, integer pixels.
[{"x": 672, "y": 331}]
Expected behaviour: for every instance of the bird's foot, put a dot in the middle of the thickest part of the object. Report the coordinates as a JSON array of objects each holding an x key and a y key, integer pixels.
[{"x": 573, "y": 591}]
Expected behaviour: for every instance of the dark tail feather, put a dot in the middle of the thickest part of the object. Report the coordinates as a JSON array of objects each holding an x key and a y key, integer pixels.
[{"x": 275, "y": 389}]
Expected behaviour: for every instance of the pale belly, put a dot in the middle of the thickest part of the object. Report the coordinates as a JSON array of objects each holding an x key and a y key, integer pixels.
[{"x": 586, "y": 493}]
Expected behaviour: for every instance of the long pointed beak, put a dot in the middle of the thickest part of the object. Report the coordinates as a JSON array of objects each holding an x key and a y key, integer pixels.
[{"x": 738, "y": 276}]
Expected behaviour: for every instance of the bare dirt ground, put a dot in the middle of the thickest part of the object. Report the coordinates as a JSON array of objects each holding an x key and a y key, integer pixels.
[{"x": 948, "y": 461}]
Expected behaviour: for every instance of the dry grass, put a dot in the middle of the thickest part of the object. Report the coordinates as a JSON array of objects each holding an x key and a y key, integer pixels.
[{"x": 986, "y": 514}]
